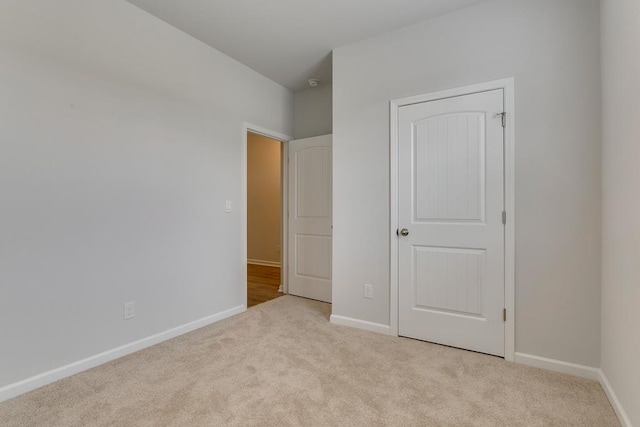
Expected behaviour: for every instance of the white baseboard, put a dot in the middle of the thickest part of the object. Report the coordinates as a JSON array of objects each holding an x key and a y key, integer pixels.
[
  {"x": 264, "y": 263},
  {"x": 558, "y": 366},
  {"x": 360, "y": 324},
  {"x": 613, "y": 399},
  {"x": 37, "y": 381},
  {"x": 580, "y": 371}
]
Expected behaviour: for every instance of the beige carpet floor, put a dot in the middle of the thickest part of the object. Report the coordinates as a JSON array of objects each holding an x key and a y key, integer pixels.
[{"x": 282, "y": 363}]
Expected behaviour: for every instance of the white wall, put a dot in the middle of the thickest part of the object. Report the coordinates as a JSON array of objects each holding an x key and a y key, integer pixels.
[
  {"x": 121, "y": 140},
  {"x": 264, "y": 200},
  {"x": 621, "y": 204},
  {"x": 312, "y": 111},
  {"x": 552, "y": 49}
]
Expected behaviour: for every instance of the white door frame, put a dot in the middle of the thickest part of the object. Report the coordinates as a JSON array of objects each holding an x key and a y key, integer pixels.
[
  {"x": 507, "y": 85},
  {"x": 248, "y": 127}
]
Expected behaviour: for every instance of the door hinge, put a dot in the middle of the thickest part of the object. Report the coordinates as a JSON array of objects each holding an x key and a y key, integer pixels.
[
  {"x": 504, "y": 217},
  {"x": 503, "y": 117},
  {"x": 504, "y": 314}
]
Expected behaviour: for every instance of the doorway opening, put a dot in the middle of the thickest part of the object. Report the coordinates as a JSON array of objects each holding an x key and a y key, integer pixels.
[{"x": 264, "y": 218}]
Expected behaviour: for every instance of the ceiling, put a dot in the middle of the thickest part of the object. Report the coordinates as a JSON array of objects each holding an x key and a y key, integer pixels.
[{"x": 290, "y": 41}]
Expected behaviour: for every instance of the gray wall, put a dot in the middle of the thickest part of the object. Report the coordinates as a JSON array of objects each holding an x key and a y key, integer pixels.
[
  {"x": 621, "y": 204},
  {"x": 121, "y": 141},
  {"x": 312, "y": 111},
  {"x": 552, "y": 49}
]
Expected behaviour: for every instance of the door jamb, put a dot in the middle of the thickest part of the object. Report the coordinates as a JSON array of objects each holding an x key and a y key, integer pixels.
[
  {"x": 284, "y": 139},
  {"x": 508, "y": 87}
]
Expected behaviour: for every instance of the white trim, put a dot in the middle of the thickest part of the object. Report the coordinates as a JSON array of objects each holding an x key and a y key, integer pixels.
[
  {"x": 613, "y": 399},
  {"x": 508, "y": 86},
  {"x": 248, "y": 127},
  {"x": 284, "y": 219},
  {"x": 393, "y": 216},
  {"x": 510, "y": 228},
  {"x": 580, "y": 371},
  {"x": 360, "y": 324},
  {"x": 558, "y": 366},
  {"x": 37, "y": 381},
  {"x": 265, "y": 132},
  {"x": 263, "y": 263}
]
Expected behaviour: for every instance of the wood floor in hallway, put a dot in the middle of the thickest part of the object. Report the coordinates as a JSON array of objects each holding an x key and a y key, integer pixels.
[{"x": 262, "y": 284}]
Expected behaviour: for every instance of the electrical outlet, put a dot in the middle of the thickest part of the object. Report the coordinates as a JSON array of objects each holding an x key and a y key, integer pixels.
[
  {"x": 278, "y": 248},
  {"x": 368, "y": 291},
  {"x": 228, "y": 206},
  {"x": 129, "y": 311}
]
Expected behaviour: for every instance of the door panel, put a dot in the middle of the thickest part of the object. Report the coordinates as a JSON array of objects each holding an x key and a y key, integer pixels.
[
  {"x": 451, "y": 192},
  {"x": 310, "y": 206},
  {"x": 449, "y": 279},
  {"x": 314, "y": 256},
  {"x": 313, "y": 181},
  {"x": 449, "y": 166}
]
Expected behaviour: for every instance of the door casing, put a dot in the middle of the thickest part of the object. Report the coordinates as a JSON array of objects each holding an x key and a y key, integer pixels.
[
  {"x": 507, "y": 85},
  {"x": 248, "y": 127}
]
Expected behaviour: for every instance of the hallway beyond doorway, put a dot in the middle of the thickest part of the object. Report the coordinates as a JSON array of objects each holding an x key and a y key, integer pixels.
[{"x": 263, "y": 283}]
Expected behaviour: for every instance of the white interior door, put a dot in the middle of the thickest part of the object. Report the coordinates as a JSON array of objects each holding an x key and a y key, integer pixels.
[
  {"x": 310, "y": 205},
  {"x": 451, "y": 203}
]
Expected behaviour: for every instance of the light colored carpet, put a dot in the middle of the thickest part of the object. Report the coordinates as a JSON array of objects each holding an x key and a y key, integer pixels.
[{"x": 282, "y": 363}]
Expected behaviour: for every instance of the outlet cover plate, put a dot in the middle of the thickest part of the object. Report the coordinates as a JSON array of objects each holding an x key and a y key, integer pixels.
[
  {"x": 368, "y": 291},
  {"x": 129, "y": 311}
]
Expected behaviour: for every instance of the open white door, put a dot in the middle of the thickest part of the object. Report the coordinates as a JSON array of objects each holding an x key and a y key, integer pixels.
[
  {"x": 310, "y": 205},
  {"x": 451, "y": 248}
]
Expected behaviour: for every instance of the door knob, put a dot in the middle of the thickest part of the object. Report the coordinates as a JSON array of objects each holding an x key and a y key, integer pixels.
[{"x": 404, "y": 232}]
